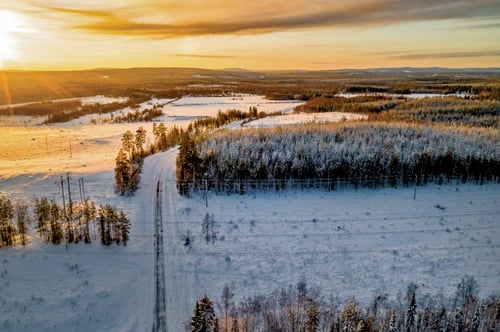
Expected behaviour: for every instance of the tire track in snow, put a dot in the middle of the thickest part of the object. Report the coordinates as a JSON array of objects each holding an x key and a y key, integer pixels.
[{"x": 160, "y": 323}]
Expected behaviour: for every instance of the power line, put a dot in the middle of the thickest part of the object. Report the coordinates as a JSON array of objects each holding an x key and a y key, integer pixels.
[
  {"x": 272, "y": 253},
  {"x": 349, "y": 234},
  {"x": 332, "y": 219}
]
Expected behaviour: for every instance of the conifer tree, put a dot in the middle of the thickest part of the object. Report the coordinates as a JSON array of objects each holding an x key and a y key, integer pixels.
[
  {"x": 476, "y": 319},
  {"x": 128, "y": 143},
  {"x": 204, "y": 316},
  {"x": 234, "y": 325},
  {"x": 350, "y": 316},
  {"x": 392, "y": 322},
  {"x": 56, "y": 232},
  {"x": 313, "y": 316},
  {"x": 102, "y": 227},
  {"x": 227, "y": 303},
  {"x": 187, "y": 162},
  {"x": 140, "y": 139},
  {"x": 7, "y": 229},
  {"x": 22, "y": 219},
  {"x": 122, "y": 173},
  {"x": 410, "y": 314},
  {"x": 42, "y": 215},
  {"x": 124, "y": 225}
]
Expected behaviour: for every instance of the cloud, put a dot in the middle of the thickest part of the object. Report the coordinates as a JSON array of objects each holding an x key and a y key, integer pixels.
[
  {"x": 205, "y": 56},
  {"x": 445, "y": 55},
  {"x": 495, "y": 25},
  {"x": 171, "y": 19}
]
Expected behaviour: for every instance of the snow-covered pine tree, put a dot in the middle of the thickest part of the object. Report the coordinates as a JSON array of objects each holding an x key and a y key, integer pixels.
[
  {"x": 392, "y": 322},
  {"x": 411, "y": 312},
  {"x": 476, "y": 319},
  {"x": 204, "y": 316},
  {"x": 350, "y": 316}
]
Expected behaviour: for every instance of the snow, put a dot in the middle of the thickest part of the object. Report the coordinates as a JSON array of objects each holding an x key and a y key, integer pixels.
[
  {"x": 51, "y": 150},
  {"x": 301, "y": 118},
  {"x": 99, "y": 99},
  {"x": 102, "y": 100},
  {"x": 185, "y": 108},
  {"x": 22, "y": 120},
  {"x": 347, "y": 242},
  {"x": 404, "y": 95},
  {"x": 82, "y": 287},
  {"x": 209, "y": 106}
]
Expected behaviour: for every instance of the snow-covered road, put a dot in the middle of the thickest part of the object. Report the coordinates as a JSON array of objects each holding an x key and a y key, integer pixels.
[{"x": 160, "y": 168}]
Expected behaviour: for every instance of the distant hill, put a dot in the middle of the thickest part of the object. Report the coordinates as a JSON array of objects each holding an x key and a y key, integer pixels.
[{"x": 26, "y": 86}]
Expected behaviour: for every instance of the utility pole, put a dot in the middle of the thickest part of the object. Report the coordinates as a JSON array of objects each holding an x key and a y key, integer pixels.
[
  {"x": 83, "y": 191},
  {"x": 64, "y": 201},
  {"x": 415, "y": 191},
  {"x": 69, "y": 197},
  {"x": 206, "y": 191},
  {"x": 80, "y": 190}
]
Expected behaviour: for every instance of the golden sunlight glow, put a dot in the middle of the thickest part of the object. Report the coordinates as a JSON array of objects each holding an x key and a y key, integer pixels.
[
  {"x": 10, "y": 23},
  {"x": 66, "y": 35}
]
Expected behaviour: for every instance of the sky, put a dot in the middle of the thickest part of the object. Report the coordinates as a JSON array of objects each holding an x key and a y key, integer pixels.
[{"x": 256, "y": 35}]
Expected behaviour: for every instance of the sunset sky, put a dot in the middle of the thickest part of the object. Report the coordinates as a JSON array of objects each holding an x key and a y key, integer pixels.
[{"x": 269, "y": 34}]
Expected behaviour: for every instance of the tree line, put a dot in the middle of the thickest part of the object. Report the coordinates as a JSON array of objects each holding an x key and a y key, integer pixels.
[
  {"x": 474, "y": 112},
  {"x": 128, "y": 162},
  {"x": 304, "y": 309},
  {"x": 359, "y": 153},
  {"x": 73, "y": 222},
  {"x": 65, "y": 114}
]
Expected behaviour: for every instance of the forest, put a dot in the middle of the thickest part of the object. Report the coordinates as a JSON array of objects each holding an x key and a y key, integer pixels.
[
  {"x": 304, "y": 308},
  {"x": 359, "y": 153},
  {"x": 74, "y": 222},
  {"x": 133, "y": 151},
  {"x": 477, "y": 111}
]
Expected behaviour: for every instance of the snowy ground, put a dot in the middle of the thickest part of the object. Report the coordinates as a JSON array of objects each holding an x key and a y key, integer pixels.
[
  {"x": 185, "y": 108},
  {"x": 291, "y": 119},
  {"x": 347, "y": 242},
  {"x": 405, "y": 95}
]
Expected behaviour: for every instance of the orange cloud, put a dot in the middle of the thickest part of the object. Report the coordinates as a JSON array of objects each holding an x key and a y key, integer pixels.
[
  {"x": 444, "y": 55},
  {"x": 171, "y": 19}
]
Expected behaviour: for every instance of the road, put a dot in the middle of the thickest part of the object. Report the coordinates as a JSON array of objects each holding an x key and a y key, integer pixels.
[
  {"x": 173, "y": 288},
  {"x": 160, "y": 322}
]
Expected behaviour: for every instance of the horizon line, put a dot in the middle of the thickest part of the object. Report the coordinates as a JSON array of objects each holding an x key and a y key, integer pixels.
[{"x": 249, "y": 70}]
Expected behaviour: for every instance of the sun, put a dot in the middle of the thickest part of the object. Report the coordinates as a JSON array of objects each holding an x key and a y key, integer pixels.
[{"x": 10, "y": 23}]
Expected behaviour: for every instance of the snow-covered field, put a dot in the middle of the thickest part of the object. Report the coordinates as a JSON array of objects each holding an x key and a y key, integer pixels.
[
  {"x": 405, "y": 95},
  {"x": 347, "y": 242},
  {"x": 291, "y": 119},
  {"x": 202, "y": 106},
  {"x": 185, "y": 108}
]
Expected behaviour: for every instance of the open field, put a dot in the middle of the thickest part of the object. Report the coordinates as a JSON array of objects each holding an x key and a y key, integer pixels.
[{"x": 348, "y": 243}]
